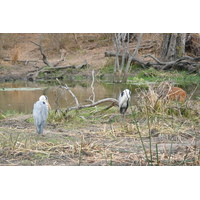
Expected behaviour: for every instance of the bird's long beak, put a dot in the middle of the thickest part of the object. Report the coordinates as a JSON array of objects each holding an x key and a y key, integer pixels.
[{"x": 48, "y": 105}]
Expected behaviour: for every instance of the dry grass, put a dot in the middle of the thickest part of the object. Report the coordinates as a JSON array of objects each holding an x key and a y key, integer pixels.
[
  {"x": 105, "y": 138},
  {"x": 153, "y": 132},
  {"x": 168, "y": 124}
]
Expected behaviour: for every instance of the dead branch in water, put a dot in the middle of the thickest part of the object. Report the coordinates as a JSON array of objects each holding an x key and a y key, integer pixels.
[
  {"x": 93, "y": 104},
  {"x": 67, "y": 88}
]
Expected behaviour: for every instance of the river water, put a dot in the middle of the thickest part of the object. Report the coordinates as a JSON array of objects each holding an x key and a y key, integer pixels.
[{"x": 20, "y": 96}]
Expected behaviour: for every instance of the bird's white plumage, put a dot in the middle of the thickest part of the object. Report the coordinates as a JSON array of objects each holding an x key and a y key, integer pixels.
[
  {"x": 40, "y": 113},
  {"x": 43, "y": 98},
  {"x": 123, "y": 100}
]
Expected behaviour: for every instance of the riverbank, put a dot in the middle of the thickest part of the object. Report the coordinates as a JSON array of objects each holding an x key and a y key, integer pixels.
[
  {"x": 20, "y": 57},
  {"x": 99, "y": 137}
]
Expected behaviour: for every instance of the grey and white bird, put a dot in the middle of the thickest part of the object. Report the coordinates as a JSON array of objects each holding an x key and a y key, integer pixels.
[
  {"x": 40, "y": 113},
  {"x": 124, "y": 99}
]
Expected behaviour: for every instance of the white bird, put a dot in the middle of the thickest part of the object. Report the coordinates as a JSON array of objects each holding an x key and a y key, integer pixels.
[
  {"x": 40, "y": 113},
  {"x": 124, "y": 99}
]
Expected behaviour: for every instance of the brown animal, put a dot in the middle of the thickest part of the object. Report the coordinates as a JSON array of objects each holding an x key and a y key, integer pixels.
[{"x": 174, "y": 93}]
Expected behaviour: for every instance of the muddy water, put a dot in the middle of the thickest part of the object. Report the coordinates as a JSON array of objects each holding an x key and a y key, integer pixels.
[{"x": 20, "y": 96}]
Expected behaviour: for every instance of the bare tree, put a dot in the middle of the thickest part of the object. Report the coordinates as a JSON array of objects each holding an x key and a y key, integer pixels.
[
  {"x": 130, "y": 58},
  {"x": 119, "y": 42},
  {"x": 172, "y": 55},
  {"x": 123, "y": 56}
]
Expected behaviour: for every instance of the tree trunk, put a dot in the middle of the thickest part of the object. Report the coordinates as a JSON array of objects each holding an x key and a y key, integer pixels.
[
  {"x": 116, "y": 69},
  {"x": 173, "y": 46},
  {"x": 180, "y": 47},
  {"x": 128, "y": 64}
]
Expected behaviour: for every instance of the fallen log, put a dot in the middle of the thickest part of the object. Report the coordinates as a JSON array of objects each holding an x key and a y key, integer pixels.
[
  {"x": 22, "y": 61},
  {"x": 126, "y": 56},
  {"x": 33, "y": 74},
  {"x": 188, "y": 63}
]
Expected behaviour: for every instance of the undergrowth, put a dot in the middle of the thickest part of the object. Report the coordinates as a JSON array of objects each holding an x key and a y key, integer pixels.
[
  {"x": 152, "y": 132},
  {"x": 9, "y": 113},
  {"x": 179, "y": 77}
]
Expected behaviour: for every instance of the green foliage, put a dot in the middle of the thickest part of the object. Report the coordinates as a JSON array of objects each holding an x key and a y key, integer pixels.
[
  {"x": 108, "y": 70},
  {"x": 9, "y": 113},
  {"x": 134, "y": 68},
  {"x": 108, "y": 67},
  {"x": 78, "y": 78},
  {"x": 137, "y": 81},
  {"x": 149, "y": 73},
  {"x": 179, "y": 77},
  {"x": 56, "y": 117},
  {"x": 179, "y": 111}
]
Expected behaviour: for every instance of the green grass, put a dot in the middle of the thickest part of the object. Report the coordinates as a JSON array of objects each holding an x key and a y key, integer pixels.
[
  {"x": 107, "y": 70},
  {"x": 9, "y": 113},
  {"x": 153, "y": 75},
  {"x": 142, "y": 76}
]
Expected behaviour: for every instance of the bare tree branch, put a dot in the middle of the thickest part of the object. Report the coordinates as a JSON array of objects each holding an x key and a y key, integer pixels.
[
  {"x": 44, "y": 58},
  {"x": 93, "y": 104},
  {"x": 179, "y": 61},
  {"x": 130, "y": 59},
  {"x": 67, "y": 88},
  {"x": 186, "y": 62},
  {"x": 138, "y": 45},
  {"x": 135, "y": 59},
  {"x": 92, "y": 88}
]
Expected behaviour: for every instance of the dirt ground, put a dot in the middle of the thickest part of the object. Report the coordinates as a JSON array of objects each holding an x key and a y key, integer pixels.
[
  {"x": 14, "y": 65},
  {"x": 93, "y": 144}
]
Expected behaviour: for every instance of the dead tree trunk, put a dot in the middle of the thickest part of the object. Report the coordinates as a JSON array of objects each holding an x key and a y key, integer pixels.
[{"x": 173, "y": 46}]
